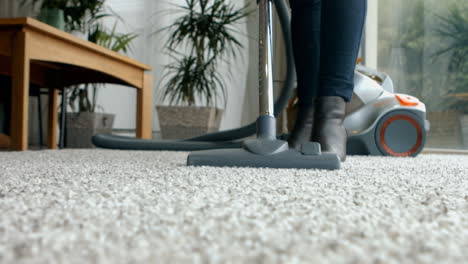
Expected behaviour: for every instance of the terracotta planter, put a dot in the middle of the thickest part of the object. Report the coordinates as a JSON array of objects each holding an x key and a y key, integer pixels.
[
  {"x": 81, "y": 127},
  {"x": 180, "y": 122}
]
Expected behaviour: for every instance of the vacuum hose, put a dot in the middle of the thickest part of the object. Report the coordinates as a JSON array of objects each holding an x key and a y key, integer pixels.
[{"x": 222, "y": 139}]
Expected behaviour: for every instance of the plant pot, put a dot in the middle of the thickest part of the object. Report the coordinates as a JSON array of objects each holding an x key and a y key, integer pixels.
[
  {"x": 53, "y": 16},
  {"x": 445, "y": 130},
  {"x": 81, "y": 127},
  {"x": 180, "y": 122},
  {"x": 464, "y": 129}
]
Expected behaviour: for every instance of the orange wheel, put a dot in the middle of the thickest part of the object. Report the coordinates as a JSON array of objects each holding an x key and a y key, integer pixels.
[{"x": 400, "y": 134}]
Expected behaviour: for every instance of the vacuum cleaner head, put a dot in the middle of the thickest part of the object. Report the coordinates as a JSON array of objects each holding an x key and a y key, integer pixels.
[
  {"x": 310, "y": 157},
  {"x": 266, "y": 151}
]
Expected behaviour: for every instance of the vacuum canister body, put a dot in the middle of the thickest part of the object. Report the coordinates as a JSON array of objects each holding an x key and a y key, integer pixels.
[{"x": 381, "y": 122}]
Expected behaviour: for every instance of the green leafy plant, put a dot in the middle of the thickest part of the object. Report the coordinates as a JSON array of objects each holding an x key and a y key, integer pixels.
[
  {"x": 79, "y": 14},
  {"x": 454, "y": 29},
  {"x": 205, "y": 30},
  {"x": 85, "y": 97}
]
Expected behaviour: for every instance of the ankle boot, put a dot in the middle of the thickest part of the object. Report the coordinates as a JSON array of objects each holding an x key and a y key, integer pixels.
[
  {"x": 303, "y": 127},
  {"x": 329, "y": 130}
]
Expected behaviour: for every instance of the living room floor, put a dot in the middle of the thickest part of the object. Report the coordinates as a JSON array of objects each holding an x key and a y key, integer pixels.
[{"x": 105, "y": 206}]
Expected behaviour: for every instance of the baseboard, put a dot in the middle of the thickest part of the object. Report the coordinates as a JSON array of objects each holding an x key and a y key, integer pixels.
[{"x": 445, "y": 151}]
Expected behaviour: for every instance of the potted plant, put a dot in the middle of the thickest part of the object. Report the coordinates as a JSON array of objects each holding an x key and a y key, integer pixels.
[
  {"x": 51, "y": 11},
  {"x": 69, "y": 15},
  {"x": 454, "y": 29},
  {"x": 199, "y": 41},
  {"x": 85, "y": 121}
]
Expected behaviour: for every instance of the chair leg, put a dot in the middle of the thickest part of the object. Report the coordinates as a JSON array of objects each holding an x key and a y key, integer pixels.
[
  {"x": 63, "y": 119},
  {"x": 39, "y": 106},
  {"x": 52, "y": 120}
]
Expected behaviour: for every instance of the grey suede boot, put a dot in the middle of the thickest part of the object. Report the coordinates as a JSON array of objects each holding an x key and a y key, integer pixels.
[
  {"x": 302, "y": 128},
  {"x": 329, "y": 130}
]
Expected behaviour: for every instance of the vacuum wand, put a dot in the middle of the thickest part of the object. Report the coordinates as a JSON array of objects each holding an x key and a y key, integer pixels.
[
  {"x": 265, "y": 58},
  {"x": 266, "y": 122}
]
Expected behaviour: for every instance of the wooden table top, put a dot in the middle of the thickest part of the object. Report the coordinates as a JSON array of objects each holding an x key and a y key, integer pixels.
[{"x": 34, "y": 24}]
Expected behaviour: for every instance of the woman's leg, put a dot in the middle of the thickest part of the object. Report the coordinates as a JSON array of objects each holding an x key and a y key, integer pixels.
[
  {"x": 342, "y": 23},
  {"x": 326, "y": 38},
  {"x": 341, "y": 31},
  {"x": 305, "y": 28}
]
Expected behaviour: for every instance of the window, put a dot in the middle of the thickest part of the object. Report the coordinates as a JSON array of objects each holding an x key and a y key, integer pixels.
[{"x": 423, "y": 45}]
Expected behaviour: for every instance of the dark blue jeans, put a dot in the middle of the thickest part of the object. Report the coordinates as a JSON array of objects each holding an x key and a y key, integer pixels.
[{"x": 326, "y": 36}]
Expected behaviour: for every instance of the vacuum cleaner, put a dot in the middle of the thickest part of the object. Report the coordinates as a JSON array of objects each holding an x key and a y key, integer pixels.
[
  {"x": 378, "y": 121},
  {"x": 381, "y": 122}
]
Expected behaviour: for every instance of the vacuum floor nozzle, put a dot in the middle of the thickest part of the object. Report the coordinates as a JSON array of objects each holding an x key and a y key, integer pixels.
[{"x": 289, "y": 159}]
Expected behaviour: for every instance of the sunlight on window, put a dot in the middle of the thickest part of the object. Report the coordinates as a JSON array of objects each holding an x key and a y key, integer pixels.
[{"x": 423, "y": 45}]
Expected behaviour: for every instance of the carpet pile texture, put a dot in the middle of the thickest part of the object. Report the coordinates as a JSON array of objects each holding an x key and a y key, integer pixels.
[{"x": 102, "y": 206}]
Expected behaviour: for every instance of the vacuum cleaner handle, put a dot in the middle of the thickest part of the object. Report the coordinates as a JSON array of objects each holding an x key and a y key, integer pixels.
[{"x": 265, "y": 73}]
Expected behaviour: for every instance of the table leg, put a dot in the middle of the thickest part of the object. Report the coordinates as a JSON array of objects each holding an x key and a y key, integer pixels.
[
  {"x": 53, "y": 119},
  {"x": 20, "y": 93},
  {"x": 144, "y": 117}
]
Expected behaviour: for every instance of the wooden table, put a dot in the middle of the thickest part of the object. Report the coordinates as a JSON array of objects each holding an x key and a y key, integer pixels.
[{"x": 34, "y": 52}]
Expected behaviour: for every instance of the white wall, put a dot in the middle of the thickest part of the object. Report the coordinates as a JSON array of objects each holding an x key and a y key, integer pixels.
[
  {"x": 13, "y": 8},
  {"x": 146, "y": 17},
  {"x": 371, "y": 34},
  {"x": 117, "y": 99}
]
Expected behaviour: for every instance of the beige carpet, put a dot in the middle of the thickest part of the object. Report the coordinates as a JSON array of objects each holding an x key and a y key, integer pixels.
[{"x": 98, "y": 206}]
